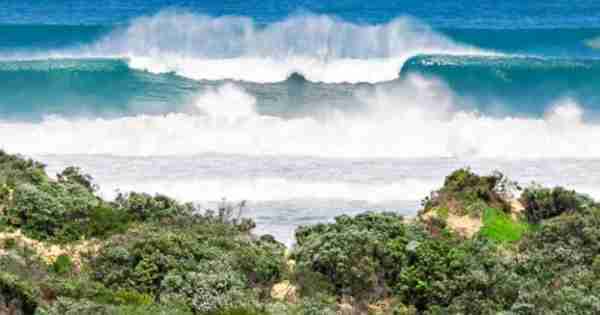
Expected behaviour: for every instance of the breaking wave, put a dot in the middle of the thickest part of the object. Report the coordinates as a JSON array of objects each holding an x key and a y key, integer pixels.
[
  {"x": 319, "y": 47},
  {"x": 412, "y": 117}
]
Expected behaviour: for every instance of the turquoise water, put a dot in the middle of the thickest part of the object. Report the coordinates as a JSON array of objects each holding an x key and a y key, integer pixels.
[{"x": 71, "y": 67}]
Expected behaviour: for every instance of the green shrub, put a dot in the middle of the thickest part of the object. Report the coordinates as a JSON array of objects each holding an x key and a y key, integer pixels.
[
  {"x": 544, "y": 203},
  {"x": 63, "y": 264},
  {"x": 105, "y": 220},
  {"x": 208, "y": 266},
  {"x": 241, "y": 311},
  {"x": 132, "y": 297},
  {"x": 432, "y": 264},
  {"x": 263, "y": 263},
  {"x": 465, "y": 192},
  {"x": 351, "y": 253},
  {"x": 142, "y": 206},
  {"x": 17, "y": 293},
  {"x": 141, "y": 264},
  {"x": 51, "y": 210},
  {"x": 205, "y": 292},
  {"x": 73, "y": 174},
  {"x": 15, "y": 169},
  {"x": 67, "y": 306},
  {"x": 9, "y": 243}
]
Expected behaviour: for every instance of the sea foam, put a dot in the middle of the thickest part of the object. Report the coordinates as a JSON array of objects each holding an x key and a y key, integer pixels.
[{"x": 412, "y": 117}]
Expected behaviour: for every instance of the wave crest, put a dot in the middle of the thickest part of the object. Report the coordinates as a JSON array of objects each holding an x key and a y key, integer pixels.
[{"x": 322, "y": 48}]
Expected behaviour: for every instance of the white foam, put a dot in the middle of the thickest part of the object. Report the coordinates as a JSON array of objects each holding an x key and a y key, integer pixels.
[
  {"x": 322, "y": 48},
  {"x": 226, "y": 101},
  {"x": 269, "y": 189},
  {"x": 415, "y": 117}
]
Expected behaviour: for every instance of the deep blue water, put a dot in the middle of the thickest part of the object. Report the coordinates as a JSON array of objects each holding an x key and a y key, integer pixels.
[{"x": 441, "y": 13}]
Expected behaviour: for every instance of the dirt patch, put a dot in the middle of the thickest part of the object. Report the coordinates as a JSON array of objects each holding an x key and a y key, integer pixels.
[
  {"x": 516, "y": 208},
  {"x": 49, "y": 252},
  {"x": 284, "y": 291},
  {"x": 464, "y": 225}
]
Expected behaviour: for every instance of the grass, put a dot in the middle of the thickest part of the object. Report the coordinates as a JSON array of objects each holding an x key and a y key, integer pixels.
[
  {"x": 442, "y": 212},
  {"x": 500, "y": 227}
]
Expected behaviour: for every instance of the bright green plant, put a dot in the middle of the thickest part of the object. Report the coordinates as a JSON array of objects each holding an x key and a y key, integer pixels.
[
  {"x": 500, "y": 227},
  {"x": 63, "y": 264}
]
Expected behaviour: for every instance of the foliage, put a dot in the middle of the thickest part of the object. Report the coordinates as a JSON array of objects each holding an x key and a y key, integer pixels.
[
  {"x": 67, "y": 306},
  {"x": 465, "y": 192},
  {"x": 73, "y": 174},
  {"x": 16, "y": 169},
  {"x": 159, "y": 256},
  {"x": 63, "y": 264},
  {"x": 544, "y": 203},
  {"x": 557, "y": 264},
  {"x": 500, "y": 227},
  {"x": 205, "y": 292},
  {"x": 17, "y": 293},
  {"x": 351, "y": 252},
  {"x": 207, "y": 266},
  {"x": 143, "y": 207}
]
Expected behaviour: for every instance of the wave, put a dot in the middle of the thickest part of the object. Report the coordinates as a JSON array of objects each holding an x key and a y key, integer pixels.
[
  {"x": 110, "y": 87},
  {"x": 319, "y": 47},
  {"x": 86, "y": 87},
  {"x": 524, "y": 83},
  {"x": 415, "y": 117}
]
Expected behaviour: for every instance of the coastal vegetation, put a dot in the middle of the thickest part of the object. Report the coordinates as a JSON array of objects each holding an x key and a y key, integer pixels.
[{"x": 475, "y": 247}]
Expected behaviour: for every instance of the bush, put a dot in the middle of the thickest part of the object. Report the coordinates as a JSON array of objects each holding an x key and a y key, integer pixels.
[
  {"x": 465, "y": 192},
  {"x": 9, "y": 243},
  {"x": 15, "y": 169},
  {"x": 262, "y": 262},
  {"x": 18, "y": 294},
  {"x": 351, "y": 253},
  {"x": 51, "y": 210},
  {"x": 163, "y": 257},
  {"x": 62, "y": 265},
  {"x": 105, "y": 221},
  {"x": 67, "y": 306},
  {"x": 141, "y": 264},
  {"x": 205, "y": 265},
  {"x": 143, "y": 207},
  {"x": 544, "y": 203},
  {"x": 73, "y": 175},
  {"x": 431, "y": 265},
  {"x": 205, "y": 292}
]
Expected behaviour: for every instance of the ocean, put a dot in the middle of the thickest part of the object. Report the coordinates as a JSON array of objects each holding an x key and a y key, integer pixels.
[{"x": 306, "y": 109}]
